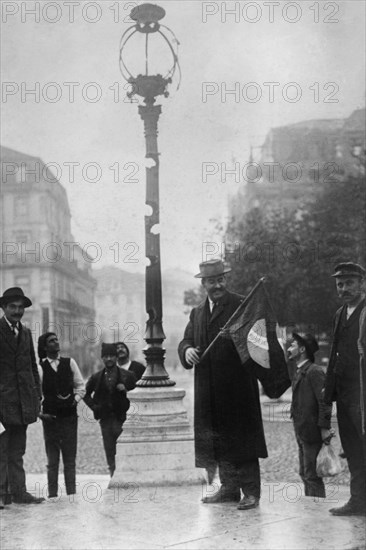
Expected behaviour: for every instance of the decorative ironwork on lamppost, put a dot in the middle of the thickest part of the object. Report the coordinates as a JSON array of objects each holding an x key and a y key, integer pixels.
[{"x": 151, "y": 35}]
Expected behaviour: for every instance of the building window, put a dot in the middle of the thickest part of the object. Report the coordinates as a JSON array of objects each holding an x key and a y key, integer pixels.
[
  {"x": 22, "y": 237},
  {"x": 24, "y": 282},
  {"x": 20, "y": 207}
]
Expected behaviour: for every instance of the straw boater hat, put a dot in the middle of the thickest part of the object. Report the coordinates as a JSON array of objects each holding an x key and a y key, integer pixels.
[
  {"x": 212, "y": 268},
  {"x": 14, "y": 293}
]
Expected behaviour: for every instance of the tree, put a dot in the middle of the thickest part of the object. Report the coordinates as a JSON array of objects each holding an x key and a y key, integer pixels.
[{"x": 297, "y": 250}]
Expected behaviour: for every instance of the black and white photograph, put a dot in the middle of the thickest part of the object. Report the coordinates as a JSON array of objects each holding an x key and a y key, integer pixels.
[{"x": 183, "y": 275}]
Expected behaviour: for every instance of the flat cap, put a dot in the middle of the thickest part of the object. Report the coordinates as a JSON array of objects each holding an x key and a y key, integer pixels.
[{"x": 349, "y": 269}]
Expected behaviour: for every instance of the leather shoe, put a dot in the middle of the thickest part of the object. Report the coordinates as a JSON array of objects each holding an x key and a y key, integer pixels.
[
  {"x": 248, "y": 502},
  {"x": 5, "y": 500},
  {"x": 349, "y": 509},
  {"x": 27, "y": 498},
  {"x": 222, "y": 495}
]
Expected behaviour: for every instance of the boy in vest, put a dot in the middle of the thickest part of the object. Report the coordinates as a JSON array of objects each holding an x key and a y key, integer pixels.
[
  {"x": 106, "y": 395},
  {"x": 63, "y": 387}
]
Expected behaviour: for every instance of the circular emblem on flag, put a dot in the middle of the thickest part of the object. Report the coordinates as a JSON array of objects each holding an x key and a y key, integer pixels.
[{"x": 257, "y": 342}]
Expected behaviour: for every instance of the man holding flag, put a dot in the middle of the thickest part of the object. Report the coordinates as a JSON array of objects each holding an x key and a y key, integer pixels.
[{"x": 231, "y": 341}]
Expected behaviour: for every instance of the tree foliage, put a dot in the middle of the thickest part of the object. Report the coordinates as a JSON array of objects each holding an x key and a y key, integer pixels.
[{"x": 297, "y": 250}]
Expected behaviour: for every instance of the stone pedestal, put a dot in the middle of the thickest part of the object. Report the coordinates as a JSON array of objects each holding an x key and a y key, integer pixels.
[{"x": 156, "y": 446}]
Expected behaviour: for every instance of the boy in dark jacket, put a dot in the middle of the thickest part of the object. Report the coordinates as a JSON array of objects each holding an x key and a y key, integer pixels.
[
  {"x": 106, "y": 395},
  {"x": 311, "y": 417}
]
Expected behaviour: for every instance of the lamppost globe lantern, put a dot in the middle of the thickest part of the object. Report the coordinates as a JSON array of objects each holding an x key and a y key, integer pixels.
[{"x": 145, "y": 84}]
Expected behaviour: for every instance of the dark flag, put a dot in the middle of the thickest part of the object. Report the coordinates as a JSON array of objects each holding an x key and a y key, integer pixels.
[{"x": 254, "y": 331}]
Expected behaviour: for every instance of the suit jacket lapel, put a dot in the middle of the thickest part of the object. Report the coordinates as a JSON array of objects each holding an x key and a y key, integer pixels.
[
  {"x": 353, "y": 318},
  {"x": 8, "y": 335},
  {"x": 300, "y": 374},
  {"x": 219, "y": 308}
]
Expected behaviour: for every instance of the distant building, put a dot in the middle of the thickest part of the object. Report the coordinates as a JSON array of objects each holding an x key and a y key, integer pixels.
[
  {"x": 121, "y": 314},
  {"x": 297, "y": 159},
  {"x": 40, "y": 255},
  {"x": 120, "y": 307},
  {"x": 352, "y": 147}
]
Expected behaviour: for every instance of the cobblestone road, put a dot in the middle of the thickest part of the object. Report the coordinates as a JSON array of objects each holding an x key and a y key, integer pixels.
[{"x": 281, "y": 465}]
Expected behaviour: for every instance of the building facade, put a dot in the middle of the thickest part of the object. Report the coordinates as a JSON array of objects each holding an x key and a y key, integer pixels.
[
  {"x": 40, "y": 255},
  {"x": 297, "y": 159},
  {"x": 121, "y": 312}
]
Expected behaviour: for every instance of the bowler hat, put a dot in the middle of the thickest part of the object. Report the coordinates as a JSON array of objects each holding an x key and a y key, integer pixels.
[
  {"x": 309, "y": 342},
  {"x": 212, "y": 268},
  {"x": 108, "y": 349},
  {"x": 349, "y": 269},
  {"x": 14, "y": 293}
]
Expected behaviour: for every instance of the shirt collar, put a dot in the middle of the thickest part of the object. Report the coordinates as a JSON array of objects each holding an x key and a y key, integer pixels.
[
  {"x": 211, "y": 304},
  {"x": 17, "y": 324},
  {"x": 302, "y": 363},
  {"x": 54, "y": 359}
]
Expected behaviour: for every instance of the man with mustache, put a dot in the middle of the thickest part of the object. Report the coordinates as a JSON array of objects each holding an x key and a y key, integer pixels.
[
  {"x": 227, "y": 414},
  {"x": 345, "y": 380},
  {"x": 20, "y": 396},
  {"x": 123, "y": 360},
  {"x": 311, "y": 418}
]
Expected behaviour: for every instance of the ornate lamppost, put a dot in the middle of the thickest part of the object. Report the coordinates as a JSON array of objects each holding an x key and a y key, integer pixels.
[
  {"x": 156, "y": 446},
  {"x": 149, "y": 87}
]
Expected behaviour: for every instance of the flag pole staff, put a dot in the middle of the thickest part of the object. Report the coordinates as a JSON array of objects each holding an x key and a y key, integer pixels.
[{"x": 241, "y": 305}]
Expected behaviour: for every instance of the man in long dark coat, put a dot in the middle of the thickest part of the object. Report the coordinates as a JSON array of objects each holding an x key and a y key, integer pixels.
[
  {"x": 227, "y": 414},
  {"x": 346, "y": 380},
  {"x": 20, "y": 395}
]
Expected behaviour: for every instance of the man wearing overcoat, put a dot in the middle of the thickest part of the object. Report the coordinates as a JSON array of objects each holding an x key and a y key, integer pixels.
[
  {"x": 227, "y": 415},
  {"x": 20, "y": 395},
  {"x": 346, "y": 380}
]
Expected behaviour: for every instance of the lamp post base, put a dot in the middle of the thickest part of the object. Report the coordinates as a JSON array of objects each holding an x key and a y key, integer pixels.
[{"x": 156, "y": 446}]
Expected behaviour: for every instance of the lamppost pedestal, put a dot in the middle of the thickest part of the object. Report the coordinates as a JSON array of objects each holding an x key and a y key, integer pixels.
[{"x": 156, "y": 446}]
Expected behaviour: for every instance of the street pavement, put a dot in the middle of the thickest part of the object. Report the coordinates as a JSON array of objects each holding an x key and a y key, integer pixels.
[{"x": 134, "y": 517}]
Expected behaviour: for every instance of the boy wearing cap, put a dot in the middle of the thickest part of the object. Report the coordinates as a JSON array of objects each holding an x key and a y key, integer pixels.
[
  {"x": 20, "y": 396},
  {"x": 106, "y": 395},
  {"x": 311, "y": 417},
  {"x": 346, "y": 380}
]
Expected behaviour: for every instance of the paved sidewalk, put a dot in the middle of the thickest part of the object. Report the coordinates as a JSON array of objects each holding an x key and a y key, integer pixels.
[{"x": 173, "y": 517}]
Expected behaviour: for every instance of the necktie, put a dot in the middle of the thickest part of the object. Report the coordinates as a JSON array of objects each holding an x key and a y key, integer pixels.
[{"x": 15, "y": 331}]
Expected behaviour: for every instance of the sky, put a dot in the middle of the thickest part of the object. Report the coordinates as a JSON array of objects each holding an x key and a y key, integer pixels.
[{"x": 311, "y": 52}]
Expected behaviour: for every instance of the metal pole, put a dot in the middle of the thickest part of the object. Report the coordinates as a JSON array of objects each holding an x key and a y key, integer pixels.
[{"x": 155, "y": 374}]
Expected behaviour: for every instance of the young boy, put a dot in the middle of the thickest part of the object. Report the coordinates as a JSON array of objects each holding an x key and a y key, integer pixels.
[{"x": 106, "y": 395}]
